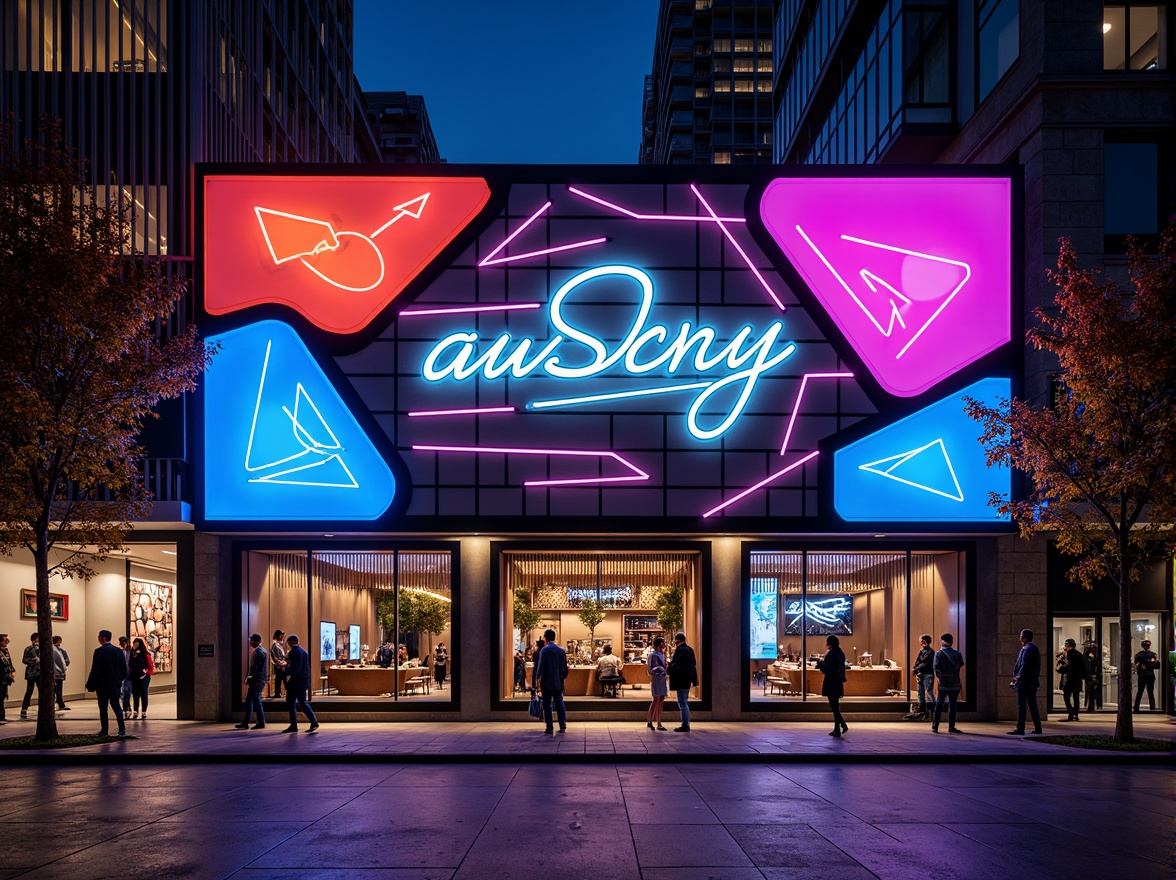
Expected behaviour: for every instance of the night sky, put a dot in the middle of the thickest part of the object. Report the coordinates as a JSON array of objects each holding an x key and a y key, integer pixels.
[{"x": 526, "y": 81}]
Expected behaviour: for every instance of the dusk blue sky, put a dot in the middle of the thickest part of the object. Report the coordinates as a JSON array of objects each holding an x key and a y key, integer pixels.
[{"x": 526, "y": 81}]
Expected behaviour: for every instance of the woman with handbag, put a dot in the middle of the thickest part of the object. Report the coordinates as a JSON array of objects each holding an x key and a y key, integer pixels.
[
  {"x": 440, "y": 664},
  {"x": 658, "y": 687},
  {"x": 833, "y": 665},
  {"x": 141, "y": 669}
]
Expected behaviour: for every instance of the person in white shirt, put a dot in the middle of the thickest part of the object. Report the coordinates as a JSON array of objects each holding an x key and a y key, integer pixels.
[{"x": 609, "y": 664}]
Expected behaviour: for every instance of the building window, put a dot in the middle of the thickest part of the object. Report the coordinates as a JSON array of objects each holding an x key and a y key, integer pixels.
[
  {"x": 878, "y": 604},
  {"x": 722, "y": 157},
  {"x": 347, "y": 606},
  {"x": 999, "y": 37},
  {"x": 1131, "y": 190},
  {"x": 1134, "y": 37},
  {"x": 635, "y": 594}
]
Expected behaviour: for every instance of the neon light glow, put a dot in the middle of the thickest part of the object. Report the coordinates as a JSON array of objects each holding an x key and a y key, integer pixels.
[
  {"x": 492, "y": 259},
  {"x": 279, "y": 443},
  {"x": 636, "y": 474},
  {"x": 616, "y": 395},
  {"x": 687, "y": 218},
  {"x": 338, "y": 250},
  {"x": 764, "y": 482},
  {"x": 916, "y": 273},
  {"x": 746, "y": 259},
  {"x": 465, "y": 310},
  {"x": 926, "y": 467},
  {"x": 456, "y": 356},
  {"x": 486, "y": 410}
]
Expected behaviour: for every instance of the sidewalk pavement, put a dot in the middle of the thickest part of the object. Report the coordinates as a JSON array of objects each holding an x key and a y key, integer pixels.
[{"x": 443, "y": 741}]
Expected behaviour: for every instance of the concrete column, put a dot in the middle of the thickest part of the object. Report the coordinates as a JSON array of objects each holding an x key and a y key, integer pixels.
[
  {"x": 1020, "y": 604},
  {"x": 212, "y": 625}
]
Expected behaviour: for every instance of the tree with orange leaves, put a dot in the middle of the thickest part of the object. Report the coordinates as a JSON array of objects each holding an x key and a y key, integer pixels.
[
  {"x": 81, "y": 368},
  {"x": 1100, "y": 462}
]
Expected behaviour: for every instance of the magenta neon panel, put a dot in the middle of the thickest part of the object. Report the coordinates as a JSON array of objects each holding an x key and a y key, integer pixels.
[{"x": 915, "y": 272}]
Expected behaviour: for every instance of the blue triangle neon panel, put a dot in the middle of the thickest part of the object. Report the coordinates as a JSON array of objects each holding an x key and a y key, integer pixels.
[
  {"x": 928, "y": 467},
  {"x": 279, "y": 443}
]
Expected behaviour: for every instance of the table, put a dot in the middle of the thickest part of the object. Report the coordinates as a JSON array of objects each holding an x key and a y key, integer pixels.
[
  {"x": 367, "y": 681},
  {"x": 872, "y": 682}
]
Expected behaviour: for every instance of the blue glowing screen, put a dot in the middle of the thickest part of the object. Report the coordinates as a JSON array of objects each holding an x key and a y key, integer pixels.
[
  {"x": 928, "y": 466},
  {"x": 279, "y": 443}
]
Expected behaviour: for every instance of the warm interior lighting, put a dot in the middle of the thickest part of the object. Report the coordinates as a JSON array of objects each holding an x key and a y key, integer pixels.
[{"x": 1106, "y": 27}]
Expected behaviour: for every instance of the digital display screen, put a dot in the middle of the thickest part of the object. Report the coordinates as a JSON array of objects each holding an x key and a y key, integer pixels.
[
  {"x": 353, "y": 632},
  {"x": 826, "y": 616},
  {"x": 326, "y": 640},
  {"x": 764, "y": 604}
]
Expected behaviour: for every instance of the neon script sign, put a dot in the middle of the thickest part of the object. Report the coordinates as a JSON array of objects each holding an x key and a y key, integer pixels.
[{"x": 644, "y": 347}]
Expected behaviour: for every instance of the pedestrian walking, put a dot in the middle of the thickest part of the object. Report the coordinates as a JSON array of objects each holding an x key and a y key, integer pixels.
[
  {"x": 551, "y": 669},
  {"x": 124, "y": 644},
  {"x": 924, "y": 672},
  {"x": 658, "y": 687},
  {"x": 142, "y": 667},
  {"x": 277, "y": 655},
  {"x": 60, "y": 662},
  {"x": 32, "y": 664},
  {"x": 1072, "y": 680},
  {"x": 947, "y": 665},
  {"x": 7, "y": 674},
  {"x": 440, "y": 664},
  {"x": 298, "y": 685},
  {"x": 256, "y": 680},
  {"x": 108, "y": 670},
  {"x": 683, "y": 674},
  {"x": 1147, "y": 662},
  {"x": 1026, "y": 681},
  {"x": 833, "y": 667},
  {"x": 1093, "y": 679}
]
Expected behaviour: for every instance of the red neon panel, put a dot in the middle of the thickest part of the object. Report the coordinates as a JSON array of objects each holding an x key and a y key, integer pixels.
[{"x": 336, "y": 249}]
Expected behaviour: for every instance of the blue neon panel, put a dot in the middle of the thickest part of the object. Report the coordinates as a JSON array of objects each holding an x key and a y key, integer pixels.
[
  {"x": 928, "y": 467},
  {"x": 279, "y": 443}
]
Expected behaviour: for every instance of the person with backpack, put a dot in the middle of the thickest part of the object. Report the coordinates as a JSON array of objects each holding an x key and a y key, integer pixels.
[
  {"x": 947, "y": 665},
  {"x": 924, "y": 673},
  {"x": 142, "y": 667},
  {"x": 1073, "y": 676}
]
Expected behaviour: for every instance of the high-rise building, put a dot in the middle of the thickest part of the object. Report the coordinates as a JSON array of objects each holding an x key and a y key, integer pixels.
[
  {"x": 402, "y": 128},
  {"x": 1080, "y": 96},
  {"x": 708, "y": 100}
]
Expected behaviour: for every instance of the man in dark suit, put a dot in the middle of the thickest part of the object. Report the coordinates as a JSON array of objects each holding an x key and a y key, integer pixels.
[
  {"x": 298, "y": 685},
  {"x": 256, "y": 678},
  {"x": 551, "y": 668},
  {"x": 683, "y": 670},
  {"x": 108, "y": 671},
  {"x": 1026, "y": 680}
]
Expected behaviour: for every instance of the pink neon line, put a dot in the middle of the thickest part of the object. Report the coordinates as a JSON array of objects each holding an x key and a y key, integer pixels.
[
  {"x": 462, "y": 412},
  {"x": 760, "y": 484},
  {"x": 457, "y": 310},
  {"x": 731, "y": 239},
  {"x": 687, "y": 218},
  {"x": 800, "y": 396},
  {"x": 550, "y": 250},
  {"x": 512, "y": 236},
  {"x": 638, "y": 474}
]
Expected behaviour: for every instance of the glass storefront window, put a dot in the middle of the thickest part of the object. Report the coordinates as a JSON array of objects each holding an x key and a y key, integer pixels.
[
  {"x": 875, "y": 606},
  {"x": 377, "y": 624},
  {"x": 592, "y": 600}
]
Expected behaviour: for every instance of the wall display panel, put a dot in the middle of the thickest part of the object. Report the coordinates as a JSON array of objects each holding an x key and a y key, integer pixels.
[
  {"x": 151, "y": 620},
  {"x": 548, "y": 346}
]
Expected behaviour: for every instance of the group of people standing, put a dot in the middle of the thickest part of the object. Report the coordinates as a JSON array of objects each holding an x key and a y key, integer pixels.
[
  {"x": 134, "y": 684},
  {"x": 291, "y": 666}
]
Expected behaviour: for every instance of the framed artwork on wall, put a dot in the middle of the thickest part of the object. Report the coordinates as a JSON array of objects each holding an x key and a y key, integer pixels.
[{"x": 58, "y": 605}]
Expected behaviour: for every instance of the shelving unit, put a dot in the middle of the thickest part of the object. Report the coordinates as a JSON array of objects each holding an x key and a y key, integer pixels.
[{"x": 639, "y": 632}]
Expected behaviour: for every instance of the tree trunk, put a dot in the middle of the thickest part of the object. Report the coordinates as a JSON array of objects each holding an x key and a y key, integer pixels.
[
  {"x": 46, "y": 696},
  {"x": 1124, "y": 725}
]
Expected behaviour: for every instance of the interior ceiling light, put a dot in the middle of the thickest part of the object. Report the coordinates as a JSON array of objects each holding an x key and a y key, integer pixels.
[
  {"x": 168, "y": 552},
  {"x": 1106, "y": 27}
]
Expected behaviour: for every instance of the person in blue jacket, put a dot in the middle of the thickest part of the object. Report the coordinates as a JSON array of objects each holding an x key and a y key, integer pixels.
[
  {"x": 551, "y": 668},
  {"x": 298, "y": 685},
  {"x": 1026, "y": 681}
]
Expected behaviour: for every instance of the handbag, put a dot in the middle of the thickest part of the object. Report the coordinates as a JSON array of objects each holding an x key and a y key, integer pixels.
[{"x": 534, "y": 709}]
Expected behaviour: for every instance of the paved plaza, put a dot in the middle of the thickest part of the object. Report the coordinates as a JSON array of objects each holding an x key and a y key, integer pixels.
[{"x": 608, "y": 800}]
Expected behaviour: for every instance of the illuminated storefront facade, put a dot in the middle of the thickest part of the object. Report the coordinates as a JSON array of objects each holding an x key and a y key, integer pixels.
[{"x": 520, "y": 391}]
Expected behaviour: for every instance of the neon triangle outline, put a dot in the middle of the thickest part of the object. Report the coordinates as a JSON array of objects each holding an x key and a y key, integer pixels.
[{"x": 903, "y": 457}]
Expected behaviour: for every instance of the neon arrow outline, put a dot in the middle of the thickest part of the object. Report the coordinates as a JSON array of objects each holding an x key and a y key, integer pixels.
[
  {"x": 636, "y": 475},
  {"x": 903, "y": 457}
]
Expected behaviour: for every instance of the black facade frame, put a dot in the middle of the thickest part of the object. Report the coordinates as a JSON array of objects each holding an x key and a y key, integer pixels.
[
  {"x": 896, "y": 544},
  {"x": 311, "y": 545},
  {"x": 493, "y": 611}
]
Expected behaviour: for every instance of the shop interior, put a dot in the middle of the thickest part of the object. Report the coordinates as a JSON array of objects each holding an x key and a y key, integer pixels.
[
  {"x": 375, "y": 623},
  {"x": 132, "y": 592},
  {"x": 799, "y": 598},
  {"x": 1097, "y": 637},
  {"x": 594, "y": 600}
]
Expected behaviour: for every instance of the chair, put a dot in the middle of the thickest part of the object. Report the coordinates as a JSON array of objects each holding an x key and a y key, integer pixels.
[
  {"x": 419, "y": 680},
  {"x": 610, "y": 685}
]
